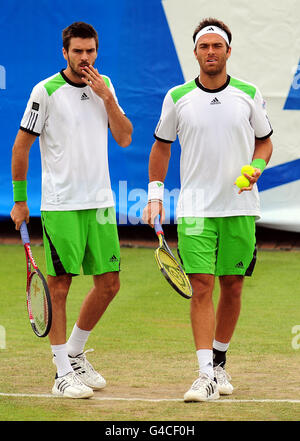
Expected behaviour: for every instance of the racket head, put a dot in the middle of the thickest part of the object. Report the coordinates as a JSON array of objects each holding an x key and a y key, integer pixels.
[
  {"x": 39, "y": 304},
  {"x": 171, "y": 269}
]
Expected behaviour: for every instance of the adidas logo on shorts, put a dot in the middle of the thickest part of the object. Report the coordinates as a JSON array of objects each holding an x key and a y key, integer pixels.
[
  {"x": 239, "y": 265},
  {"x": 113, "y": 259}
]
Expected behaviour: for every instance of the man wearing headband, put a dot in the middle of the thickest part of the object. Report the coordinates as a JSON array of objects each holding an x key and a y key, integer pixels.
[{"x": 222, "y": 124}]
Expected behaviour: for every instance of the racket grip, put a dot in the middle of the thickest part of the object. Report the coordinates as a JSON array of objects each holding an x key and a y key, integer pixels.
[
  {"x": 157, "y": 227},
  {"x": 24, "y": 233}
]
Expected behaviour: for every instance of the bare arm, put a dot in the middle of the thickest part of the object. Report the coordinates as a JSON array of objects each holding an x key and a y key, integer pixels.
[
  {"x": 19, "y": 165},
  {"x": 158, "y": 168},
  {"x": 120, "y": 126},
  {"x": 263, "y": 150}
]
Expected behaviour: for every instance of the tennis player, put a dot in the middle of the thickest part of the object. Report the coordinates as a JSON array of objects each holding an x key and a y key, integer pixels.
[
  {"x": 222, "y": 124},
  {"x": 71, "y": 112}
]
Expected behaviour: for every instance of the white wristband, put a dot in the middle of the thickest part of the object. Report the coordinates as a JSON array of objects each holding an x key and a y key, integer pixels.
[{"x": 156, "y": 191}]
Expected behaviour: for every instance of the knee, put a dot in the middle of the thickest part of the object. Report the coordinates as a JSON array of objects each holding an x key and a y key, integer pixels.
[
  {"x": 109, "y": 288},
  {"x": 231, "y": 287},
  {"x": 59, "y": 288},
  {"x": 114, "y": 288},
  {"x": 203, "y": 285}
]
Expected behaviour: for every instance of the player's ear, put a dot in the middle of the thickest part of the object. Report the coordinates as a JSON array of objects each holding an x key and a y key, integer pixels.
[
  {"x": 228, "y": 52},
  {"x": 64, "y": 53}
]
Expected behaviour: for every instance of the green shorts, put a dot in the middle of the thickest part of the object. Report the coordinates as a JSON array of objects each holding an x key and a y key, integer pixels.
[
  {"x": 81, "y": 238},
  {"x": 219, "y": 246}
]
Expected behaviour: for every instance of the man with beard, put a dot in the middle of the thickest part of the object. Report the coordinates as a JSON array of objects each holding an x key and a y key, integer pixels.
[
  {"x": 71, "y": 112},
  {"x": 222, "y": 125}
]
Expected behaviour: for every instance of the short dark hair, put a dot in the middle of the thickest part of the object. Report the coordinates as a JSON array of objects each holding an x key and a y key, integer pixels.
[
  {"x": 79, "y": 29},
  {"x": 212, "y": 22}
]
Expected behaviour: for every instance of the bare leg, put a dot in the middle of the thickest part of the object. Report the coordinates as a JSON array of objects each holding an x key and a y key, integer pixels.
[
  {"x": 59, "y": 288},
  {"x": 202, "y": 310},
  {"x": 94, "y": 305},
  {"x": 229, "y": 307}
]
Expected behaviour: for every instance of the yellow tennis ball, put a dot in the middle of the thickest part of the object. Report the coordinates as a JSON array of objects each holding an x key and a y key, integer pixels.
[
  {"x": 242, "y": 181},
  {"x": 247, "y": 169}
]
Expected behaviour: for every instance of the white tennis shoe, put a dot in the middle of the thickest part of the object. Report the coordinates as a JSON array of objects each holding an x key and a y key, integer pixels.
[
  {"x": 69, "y": 386},
  {"x": 203, "y": 389},
  {"x": 223, "y": 381},
  {"x": 85, "y": 371}
]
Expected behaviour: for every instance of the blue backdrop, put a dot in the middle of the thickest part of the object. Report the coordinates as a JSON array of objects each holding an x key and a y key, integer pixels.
[{"x": 136, "y": 51}]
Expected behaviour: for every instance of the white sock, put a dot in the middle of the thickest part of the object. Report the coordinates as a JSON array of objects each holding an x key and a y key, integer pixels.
[
  {"x": 61, "y": 359},
  {"x": 77, "y": 341},
  {"x": 220, "y": 346},
  {"x": 205, "y": 360}
]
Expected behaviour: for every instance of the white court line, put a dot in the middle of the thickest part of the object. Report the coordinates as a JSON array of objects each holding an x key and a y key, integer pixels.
[{"x": 153, "y": 400}]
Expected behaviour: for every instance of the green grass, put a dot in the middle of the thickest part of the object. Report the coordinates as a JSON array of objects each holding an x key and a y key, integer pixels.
[{"x": 144, "y": 347}]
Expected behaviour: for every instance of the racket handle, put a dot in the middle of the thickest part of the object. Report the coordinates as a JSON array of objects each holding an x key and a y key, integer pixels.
[
  {"x": 157, "y": 227},
  {"x": 24, "y": 233}
]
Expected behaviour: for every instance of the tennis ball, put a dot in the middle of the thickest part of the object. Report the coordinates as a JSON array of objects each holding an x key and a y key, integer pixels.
[
  {"x": 242, "y": 181},
  {"x": 247, "y": 169}
]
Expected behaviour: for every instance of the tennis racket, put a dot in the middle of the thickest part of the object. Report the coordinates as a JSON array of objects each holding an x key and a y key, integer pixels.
[
  {"x": 169, "y": 266},
  {"x": 37, "y": 291}
]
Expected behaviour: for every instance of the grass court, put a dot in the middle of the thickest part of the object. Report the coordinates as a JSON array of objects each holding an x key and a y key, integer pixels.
[{"x": 144, "y": 348}]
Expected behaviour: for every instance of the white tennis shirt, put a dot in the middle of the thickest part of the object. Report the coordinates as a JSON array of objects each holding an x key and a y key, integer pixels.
[
  {"x": 72, "y": 123},
  {"x": 216, "y": 130}
]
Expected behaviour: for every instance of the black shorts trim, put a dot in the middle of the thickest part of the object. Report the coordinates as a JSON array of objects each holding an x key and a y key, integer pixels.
[
  {"x": 250, "y": 268},
  {"x": 57, "y": 264}
]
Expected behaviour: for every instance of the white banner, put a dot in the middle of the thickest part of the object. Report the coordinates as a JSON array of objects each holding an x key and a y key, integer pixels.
[{"x": 266, "y": 52}]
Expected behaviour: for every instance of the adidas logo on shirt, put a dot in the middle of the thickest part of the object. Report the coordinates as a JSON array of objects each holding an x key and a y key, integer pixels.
[
  {"x": 84, "y": 97},
  {"x": 215, "y": 101}
]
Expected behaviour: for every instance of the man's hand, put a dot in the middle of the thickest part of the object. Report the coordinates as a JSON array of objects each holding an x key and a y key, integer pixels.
[
  {"x": 153, "y": 209},
  {"x": 92, "y": 78},
  {"x": 119, "y": 124},
  {"x": 19, "y": 213},
  {"x": 252, "y": 179}
]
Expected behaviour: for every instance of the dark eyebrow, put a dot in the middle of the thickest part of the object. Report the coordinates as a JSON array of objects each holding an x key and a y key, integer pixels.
[
  {"x": 81, "y": 50},
  {"x": 207, "y": 44}
]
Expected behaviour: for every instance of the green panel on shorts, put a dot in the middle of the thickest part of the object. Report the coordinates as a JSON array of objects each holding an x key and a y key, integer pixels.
[
  {"x": 81, "y": 240},
  {"x": 219, "y": 246}
]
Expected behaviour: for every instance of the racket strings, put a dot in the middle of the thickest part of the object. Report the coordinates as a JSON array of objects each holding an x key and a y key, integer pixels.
[
  {"x": 174, "y": 271},
  {"x": 38, "y": 304}
]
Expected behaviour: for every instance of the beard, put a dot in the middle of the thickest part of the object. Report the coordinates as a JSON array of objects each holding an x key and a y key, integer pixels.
[
  {"x": 213, "y": 70},
  {"x": 77, "y": 70},
  {"x": 216, "y": 70}
]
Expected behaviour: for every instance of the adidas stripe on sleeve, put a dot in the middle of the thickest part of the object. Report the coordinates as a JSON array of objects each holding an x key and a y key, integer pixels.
[{"x": 35, "y": 114}]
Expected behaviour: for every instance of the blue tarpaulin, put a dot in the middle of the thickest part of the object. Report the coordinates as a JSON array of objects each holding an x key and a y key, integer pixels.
[{"x": 136, "y": 51}]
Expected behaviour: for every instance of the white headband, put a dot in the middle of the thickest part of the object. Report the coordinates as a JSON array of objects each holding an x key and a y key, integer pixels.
[{"x": 212, "y": 30}]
